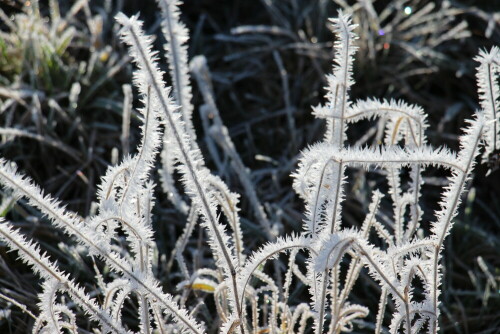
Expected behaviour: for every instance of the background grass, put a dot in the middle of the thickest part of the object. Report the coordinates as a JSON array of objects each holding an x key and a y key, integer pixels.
[{"x": 265, "y": 81}]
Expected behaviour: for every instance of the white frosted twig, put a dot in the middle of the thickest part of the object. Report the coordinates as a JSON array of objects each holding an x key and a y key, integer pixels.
[
  {"x": 30, "y": 253},
  {"x": 177, "y": 35},
  {"x": 469, "y": 144},
  {"x": 487, "y": 75},
  {"x": 191, "y": 163},
  {"x": 95, "y": 242}
]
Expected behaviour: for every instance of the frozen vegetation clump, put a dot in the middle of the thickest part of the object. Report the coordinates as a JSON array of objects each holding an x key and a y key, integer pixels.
[{"x": 402, "y": 253}]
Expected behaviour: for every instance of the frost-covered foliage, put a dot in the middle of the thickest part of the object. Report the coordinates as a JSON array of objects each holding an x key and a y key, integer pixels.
[{"x": 406, "y": 265}]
